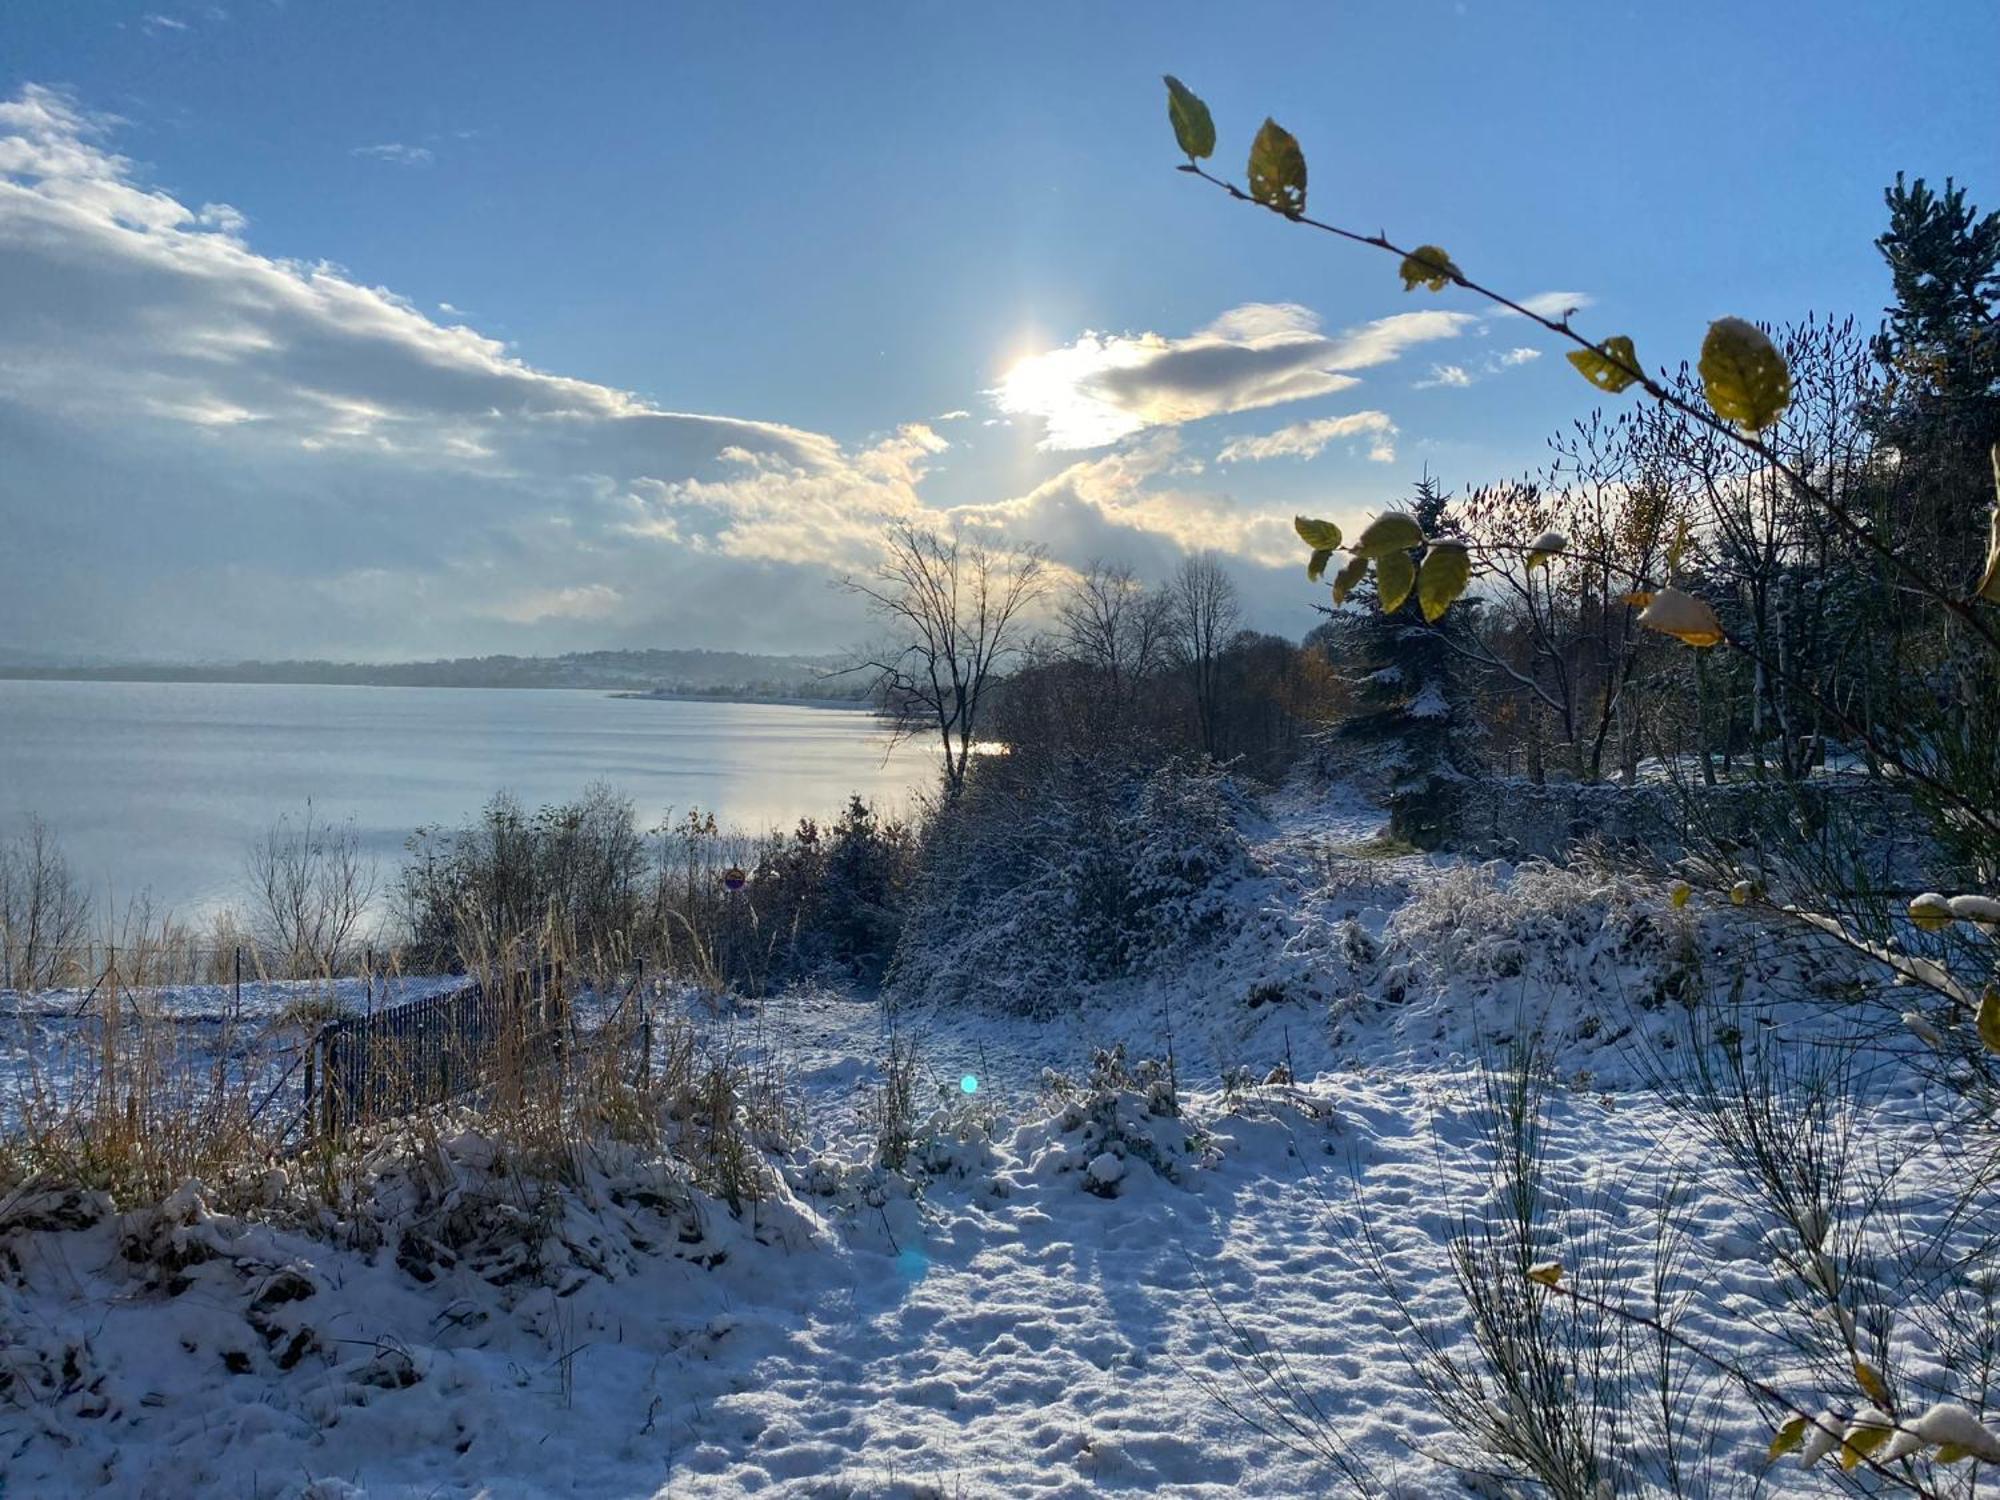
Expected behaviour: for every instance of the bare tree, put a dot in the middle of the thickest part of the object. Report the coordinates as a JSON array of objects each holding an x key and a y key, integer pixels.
[
  {"x": 953, "y": 609},
  {"x": 1204, "y": 615},
  {"x": 1110, "y": 621},
  {"x": 310, "y": 890},
  {"x": 44, "y": 912}
]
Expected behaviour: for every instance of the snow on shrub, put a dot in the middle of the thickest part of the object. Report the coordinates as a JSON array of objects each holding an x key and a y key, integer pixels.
[
  {"x": 1031, "y": 893},
  {"x": 1121, "y": 1114},
  {"x": 1493, "y": 921}
]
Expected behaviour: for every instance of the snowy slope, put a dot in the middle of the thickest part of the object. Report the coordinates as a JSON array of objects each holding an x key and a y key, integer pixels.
[{"x": 1058, "y": 1304}]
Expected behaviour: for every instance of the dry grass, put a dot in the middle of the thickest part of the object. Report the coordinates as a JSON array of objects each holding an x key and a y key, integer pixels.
[{"x": 117, "y": 1097}]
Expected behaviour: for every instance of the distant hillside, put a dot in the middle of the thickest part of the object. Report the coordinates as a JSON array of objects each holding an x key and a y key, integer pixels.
[{"x": 703, "y": 674}]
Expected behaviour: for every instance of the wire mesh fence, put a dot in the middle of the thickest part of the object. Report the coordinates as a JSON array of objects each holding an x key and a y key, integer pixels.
[
  {"x": 303, "y": 1059},
  {"x": 523, "y": 1029}
]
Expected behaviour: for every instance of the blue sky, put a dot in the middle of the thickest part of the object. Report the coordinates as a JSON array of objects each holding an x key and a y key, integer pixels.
[{"x": 799, "y": 236}]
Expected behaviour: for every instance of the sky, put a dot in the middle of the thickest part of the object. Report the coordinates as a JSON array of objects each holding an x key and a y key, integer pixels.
[{"x": 378, "y": 331}]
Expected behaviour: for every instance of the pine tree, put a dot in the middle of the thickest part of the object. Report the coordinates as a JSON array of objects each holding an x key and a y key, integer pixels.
[
  {"x": 1405, "y": 704},
  {"x": 1940, "y": 349}
]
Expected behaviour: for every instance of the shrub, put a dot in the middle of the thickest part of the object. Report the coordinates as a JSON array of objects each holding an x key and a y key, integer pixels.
[{"x": 1031, "y": 889}]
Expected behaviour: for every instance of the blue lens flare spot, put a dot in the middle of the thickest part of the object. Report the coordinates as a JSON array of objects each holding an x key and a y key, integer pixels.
[
  {"x": 969, "y": 1083},
  {"x": 912, "y": 1266}
]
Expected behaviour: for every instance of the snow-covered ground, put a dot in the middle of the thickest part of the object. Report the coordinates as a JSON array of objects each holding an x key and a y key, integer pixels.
[{"x": 1056, "y": 1301}]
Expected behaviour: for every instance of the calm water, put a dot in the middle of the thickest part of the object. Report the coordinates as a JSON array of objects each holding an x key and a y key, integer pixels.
[{"x": 164, "y": 786}]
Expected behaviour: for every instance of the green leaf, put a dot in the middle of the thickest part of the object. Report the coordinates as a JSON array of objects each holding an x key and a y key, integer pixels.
[
  {"x": 1548, "y": 545},
  {"x": 1743, "y": 374},
  {"x": 1428, "y": 266},
  {"x": 1194, "y": 128},
  {"x": 1446, "y": 570},
  {"x": 1316, "y": 564},
  {"x": 1345, "y": 580},
  {"x": 1316, "y": 534},
  {"x": 1611, "y": 366},
  {"x": 1395, "y": 576},
  {"x": 1392, "y": 531},
  {"x": 1278, "y": 170}
]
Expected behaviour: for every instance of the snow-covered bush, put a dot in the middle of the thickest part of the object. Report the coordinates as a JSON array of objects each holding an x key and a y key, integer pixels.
[
  {"x": 1496, "y": 921},
  {"x": 1031, "y": 892},
  {"x": 1121, "y": 1114}
]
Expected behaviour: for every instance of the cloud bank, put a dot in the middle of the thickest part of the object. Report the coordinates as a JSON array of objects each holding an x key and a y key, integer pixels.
[
  {"x": 1102, "y": 388},
  {"x": 213, "y": 451}
]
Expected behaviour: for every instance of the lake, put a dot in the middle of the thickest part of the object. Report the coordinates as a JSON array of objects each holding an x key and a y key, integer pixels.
[{"x": 163, "y": 787}]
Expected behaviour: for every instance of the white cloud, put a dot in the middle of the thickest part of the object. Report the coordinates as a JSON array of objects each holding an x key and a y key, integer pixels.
[
  {"x": 213, "y": 451},
  {"x": 1114, "y": 506},
  {"x": 590, "y": 601},
  {"x": 1309, "y": 439},
  {"x": 1557, "y": 305},
  {"x": 397, "y": 152},
  {"x": 1105, "y": 387},
  {"x": 1459, "y": 376},
  {"x": 1445, "y": 375},
  {"x": 157, "y": 23}
]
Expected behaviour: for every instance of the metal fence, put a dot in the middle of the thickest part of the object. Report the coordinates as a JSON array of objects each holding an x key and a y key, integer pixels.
[{"x": 445, "y": 1046}]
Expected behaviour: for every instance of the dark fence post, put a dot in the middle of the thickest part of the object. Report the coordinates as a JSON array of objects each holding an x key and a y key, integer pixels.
[{"x": 311, "y": 1109}]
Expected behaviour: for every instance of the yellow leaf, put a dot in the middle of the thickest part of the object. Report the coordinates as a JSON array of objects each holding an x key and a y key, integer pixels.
[
  {"x": 1429, "y": 266},
  {"x": 1639, "y": 598},
  {"x": 1194, "y": 128},
  {"x": 1316, "y": 534},
  {"x": 1316, "y": 564},
  {"x": 1677, "y": 547},
  {"x": 1953, "y": 1453},
  {"x": 1344, "y": 581},
  {"x": 1278, "y": 170},
  {"x": 1683, "y": 617},
  {"x": 1743, "y": 374},
  {"x": 1395, "y": 576},
  {"x": 1870, "y": 1380},
  {"x": 1989, "y": 1018},
  {"x": 1682, "y": 891},
  {"x": 1859, "y": 1443},
  {"x": 1611, "y": 366},
  {"x": 1549, "y": 544},
  {"x": 1930, "y": 911},
  {"x": 1787, "y": 1438},
  {"x": 1392, "y": 531},
  {"x": 1446, "y": 570},
  {"x": 1546, "y": 1273},
  {"x": 1741, "y": 892}
]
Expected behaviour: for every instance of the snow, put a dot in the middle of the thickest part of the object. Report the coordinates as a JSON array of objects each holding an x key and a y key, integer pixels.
[{"x": 1058, "y": 1299}]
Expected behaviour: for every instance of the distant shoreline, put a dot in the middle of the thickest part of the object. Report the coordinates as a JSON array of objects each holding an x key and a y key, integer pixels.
[
  {"x": 195, "y": 677},
  {"x": 661, "y": 695}
]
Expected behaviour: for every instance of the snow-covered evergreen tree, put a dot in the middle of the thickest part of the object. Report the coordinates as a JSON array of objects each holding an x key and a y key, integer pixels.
[{"x": 1407, "y": 715}]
